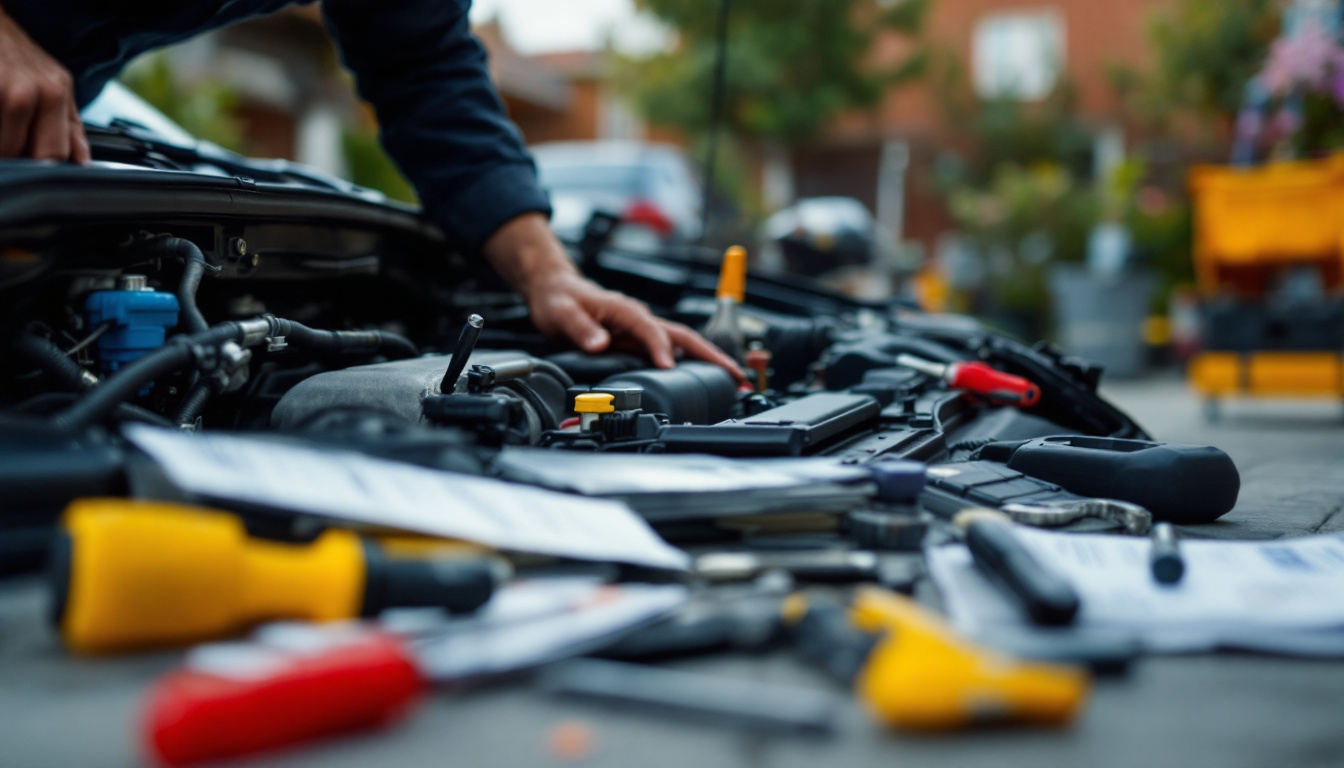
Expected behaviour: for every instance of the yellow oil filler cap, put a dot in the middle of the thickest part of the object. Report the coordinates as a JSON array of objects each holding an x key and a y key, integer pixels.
[
  {"x": 733, "y": 275},
  {"x": 590, "y": 406}
]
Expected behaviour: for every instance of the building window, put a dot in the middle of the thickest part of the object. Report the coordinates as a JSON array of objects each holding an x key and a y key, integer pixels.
[{"x": 1018, "y": 55}]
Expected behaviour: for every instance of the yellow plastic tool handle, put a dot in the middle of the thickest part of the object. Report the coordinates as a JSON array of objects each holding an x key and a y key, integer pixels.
[
  {"x": 922, "y": 676},
  {"x": 137, "y": 574}
]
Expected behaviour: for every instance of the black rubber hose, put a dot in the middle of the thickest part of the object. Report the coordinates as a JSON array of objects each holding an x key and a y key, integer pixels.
[
  {"x": 173, "y": 356},
  {"x": 194, "y": 267},
  {"x": 66, "y": 373},
  {"x": 50, "y": 402},
  {"x": 193, "y": 404},
  {"x": 529, "y": 394},
  {"x": 554, "y": 370},
  {"x": 308, "y": 339}
]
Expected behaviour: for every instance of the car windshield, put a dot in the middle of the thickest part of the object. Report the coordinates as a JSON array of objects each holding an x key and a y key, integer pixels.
[{"x": 574, "y": 178}]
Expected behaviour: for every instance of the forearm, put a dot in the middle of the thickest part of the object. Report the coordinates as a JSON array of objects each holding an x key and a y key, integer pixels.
[{"x": 526, "y": 254}]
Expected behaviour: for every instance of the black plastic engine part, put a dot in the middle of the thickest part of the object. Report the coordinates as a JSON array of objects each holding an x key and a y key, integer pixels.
[
  {"x": 694, "y": 393},
  {"x": 496, "y": 420},
  {"x": 804, "y": 426},
  {"x": 40, "y": 473},
  {"x": 591, "y": 369},
  {"x": 1180, "y": 483},
  {"x": 398, "y": 388}
]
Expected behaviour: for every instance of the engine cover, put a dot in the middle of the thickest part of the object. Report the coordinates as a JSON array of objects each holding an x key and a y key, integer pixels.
[{"x": 396, "y": 388}]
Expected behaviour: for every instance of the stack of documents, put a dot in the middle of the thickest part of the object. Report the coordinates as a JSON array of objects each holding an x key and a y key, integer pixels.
[
  {"x": 229, "y": 470},
  {"x": 671, "y": 487},
  {"x": 1281, "y": 596}
]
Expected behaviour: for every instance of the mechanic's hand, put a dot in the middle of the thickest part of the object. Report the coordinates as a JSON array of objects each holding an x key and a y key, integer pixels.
[
  {"x": 564, "y": 304},
  {"x": 38, "y": 115}
]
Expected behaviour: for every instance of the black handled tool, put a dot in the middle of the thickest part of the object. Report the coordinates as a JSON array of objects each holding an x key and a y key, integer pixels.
[
  {"x": 466, "y": 343},
  {"x": 1180, "y": 483},
  {"x": 1047, "y": 597},
  {"x": 1166, "y": 562}
]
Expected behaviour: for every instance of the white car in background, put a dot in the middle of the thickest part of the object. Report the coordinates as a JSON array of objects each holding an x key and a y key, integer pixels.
[{"x": 652, "y": 187}]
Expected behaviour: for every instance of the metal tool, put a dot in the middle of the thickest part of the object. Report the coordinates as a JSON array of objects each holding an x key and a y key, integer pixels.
[
  {"x": 1047, "y": 598},
  {"x": 978, "y": 378},
  {"x": 1052, "y": 514},
  {"x": 1165, "y": 560},
  {"x": 714, "y": 697},
  {"x": 466, "y": 343}
]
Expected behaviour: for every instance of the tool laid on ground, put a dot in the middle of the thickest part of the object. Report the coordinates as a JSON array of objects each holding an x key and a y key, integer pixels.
[
  {"x": 133, "y": 574},
  {"x": 715, "y": 698},
  {"x": 914, "y": 672},
  {"x": 294, "y": 682},
  {"x": 979, "y": 379},
  {"x": 1165, "y": 558},
  {"x": 1180, "y": 483},
  {"x": 1046, "y": 597}
]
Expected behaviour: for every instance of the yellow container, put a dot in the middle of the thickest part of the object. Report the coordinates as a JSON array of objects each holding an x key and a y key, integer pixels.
[
  {"x": 1268, "y": 374},
  {"x": 1281, "y": 212}
]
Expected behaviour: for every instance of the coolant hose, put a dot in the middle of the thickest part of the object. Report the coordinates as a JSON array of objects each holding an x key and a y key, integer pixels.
[
  {"x": 193, "y": 404},
  {"x": 66, "y": 373},
  {"x": 178, "y": 353},
  {"x": 182, "y": 351},
  {"x": 194, "y": 267},
  {"x": 393, "y": 345}
]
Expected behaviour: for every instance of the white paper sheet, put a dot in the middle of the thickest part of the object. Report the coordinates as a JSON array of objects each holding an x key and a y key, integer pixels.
[
  {"x": 362, "y": 489},
  {"x": 1253, "y": 594}
]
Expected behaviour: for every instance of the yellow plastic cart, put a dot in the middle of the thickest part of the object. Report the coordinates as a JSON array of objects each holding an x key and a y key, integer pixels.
[{"x": 1251, "y": 225}]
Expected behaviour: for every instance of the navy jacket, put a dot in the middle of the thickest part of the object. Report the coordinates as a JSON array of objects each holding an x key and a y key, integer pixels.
[{"x": 414, "y": 60}]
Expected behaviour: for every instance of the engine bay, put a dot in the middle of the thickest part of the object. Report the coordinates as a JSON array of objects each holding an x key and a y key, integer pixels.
[{"x": 274, "y": 308}]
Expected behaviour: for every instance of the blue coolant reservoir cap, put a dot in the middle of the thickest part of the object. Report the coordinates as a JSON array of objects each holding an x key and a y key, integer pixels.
[
  {"x": 140, "y": 322},
  {"x": 898, "y": 479}
]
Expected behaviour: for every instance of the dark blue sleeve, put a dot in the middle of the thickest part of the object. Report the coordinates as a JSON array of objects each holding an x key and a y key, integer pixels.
[{"x": 418, "y": 64}]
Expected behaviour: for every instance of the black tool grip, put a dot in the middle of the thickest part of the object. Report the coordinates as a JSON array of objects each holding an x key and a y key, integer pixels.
[
  {"x": 1048, "y": 599},
  {"x": 1180, "y": 483}
]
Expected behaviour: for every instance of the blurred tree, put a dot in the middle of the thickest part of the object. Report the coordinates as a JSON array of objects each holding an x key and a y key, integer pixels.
[
  {"x": 1203, "y": 54},
  {"x": 370, "y": 166},
  {"x": 792, "y": 65},
  {"x": 205, "y": 110}
]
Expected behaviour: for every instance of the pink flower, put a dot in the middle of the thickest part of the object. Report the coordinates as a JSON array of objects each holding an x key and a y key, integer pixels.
[{"x": 1310, "y": 61}]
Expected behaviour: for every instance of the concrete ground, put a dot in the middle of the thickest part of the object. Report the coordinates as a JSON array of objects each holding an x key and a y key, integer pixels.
[{"x": 1228, "y": 711}]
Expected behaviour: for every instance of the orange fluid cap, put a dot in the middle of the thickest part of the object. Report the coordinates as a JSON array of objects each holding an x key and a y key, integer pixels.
[{"x": 733, "y": 274}]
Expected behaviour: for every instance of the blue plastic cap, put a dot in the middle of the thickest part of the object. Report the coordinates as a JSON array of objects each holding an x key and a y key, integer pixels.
[
  {"x": 898, "y": 479},
  {"x": 140, "y": 322}
]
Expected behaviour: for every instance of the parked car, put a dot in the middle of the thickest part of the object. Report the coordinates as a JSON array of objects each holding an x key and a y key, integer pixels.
[
  {"x": 652, "y": 187},
  {"x": 821, "y": 234}
]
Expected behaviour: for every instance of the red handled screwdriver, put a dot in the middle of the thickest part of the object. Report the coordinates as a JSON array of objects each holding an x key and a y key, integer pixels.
[
  {"x": 978, "y": 378},
  {"x": 296, "y": 682}
]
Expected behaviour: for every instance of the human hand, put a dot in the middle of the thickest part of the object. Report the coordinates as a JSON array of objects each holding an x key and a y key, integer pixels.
[
  {"x": 566, "y": 305},
  {"x": 38, "y": 114}
]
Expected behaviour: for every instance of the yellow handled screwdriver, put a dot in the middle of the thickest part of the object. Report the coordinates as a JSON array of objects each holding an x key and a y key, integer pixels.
[
  {"x": 913, "y": 672},
  {"x": 135, "y": 574}
]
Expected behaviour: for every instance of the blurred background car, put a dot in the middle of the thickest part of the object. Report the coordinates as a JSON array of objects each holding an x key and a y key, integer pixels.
[{"x": 651, "y": 186}]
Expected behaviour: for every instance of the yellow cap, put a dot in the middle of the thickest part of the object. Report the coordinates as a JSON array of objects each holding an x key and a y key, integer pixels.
[
  {"x": 594, "y": 402},
  {"x": 733, "y": 274}
]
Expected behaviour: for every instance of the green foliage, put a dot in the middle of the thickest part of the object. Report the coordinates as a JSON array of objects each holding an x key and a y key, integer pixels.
[
  {"x": 370, "y": 166},
  {"x": 205, "y": 110},
  {"x": 791, "y": 65},
  {"x": 1204, "y": 52}
]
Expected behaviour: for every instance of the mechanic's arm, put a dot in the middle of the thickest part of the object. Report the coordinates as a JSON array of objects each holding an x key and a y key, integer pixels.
[
  {"x": 441, "y": 120},
  {"x": 38, "y": 116}
]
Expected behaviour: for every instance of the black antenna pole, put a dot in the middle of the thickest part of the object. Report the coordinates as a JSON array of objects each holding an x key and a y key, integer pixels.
[{"x": 715, "y": 116}]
